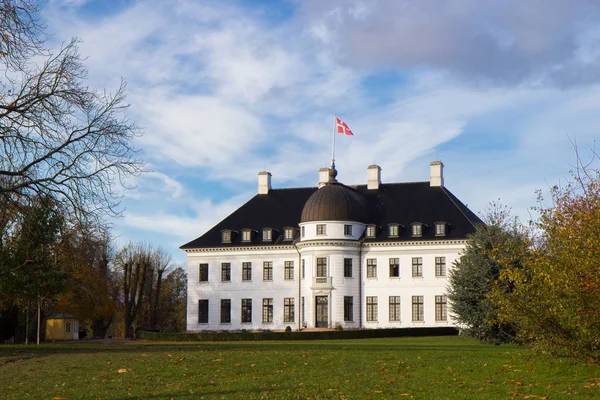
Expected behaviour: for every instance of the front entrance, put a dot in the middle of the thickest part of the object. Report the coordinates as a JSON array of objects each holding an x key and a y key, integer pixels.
[{"x": 321, "y": 312}]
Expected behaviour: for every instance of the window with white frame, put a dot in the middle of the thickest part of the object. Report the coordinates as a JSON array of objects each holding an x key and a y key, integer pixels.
[
  {"x": 225, "y": 311},
  {"x": 203, "y": 273},
  {"x": 67, "y": 327},
  {"x": 321, "y": 267},
  {"x": 321, "y": 229},
  {"x": 441, "y": 308},
  {"x": 267, "y": 314},
  {"x": 371, "y": 308},
  {"x": 440, "y": 229},
  {"x": 246, "y": 235},
  {"x": 417, "y": 267},
  {"x": 347, "y": 268},
  {"x": 394, "y": 267},
  {"x": 288, "y": 270},
  {"x": 203, "y": 311},
  {"x": 267, "y": 235},
  {"x": 393, "y": 230},
  {"x": 303, "y": 231},
  {"x": 417, "y": 308},
  {"x": 371, "y": 268},
  {"x": 246, "y": 271},
  {"x": 288, "y": 309},
  {"x": 303, "y": 268},
  {"x": 348, "y": 308},
  {"x": 225, "y": 272},
  {"x": 288, "y": 234},
  {"x": 226, "y": 236},
  {"x": 371, "y": 231},
  {"x": 440, "y": 266},
  {"x": 246, "y": 310},
  {"x": 394, "y": 308},
  {"x": 417, "y": 229},
  {"x": 267, "y": 271},
  {"x": 348, "y": 230}
]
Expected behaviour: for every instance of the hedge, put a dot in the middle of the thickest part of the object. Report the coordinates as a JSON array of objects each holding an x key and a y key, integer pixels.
[{"x": 303, "y": 335}]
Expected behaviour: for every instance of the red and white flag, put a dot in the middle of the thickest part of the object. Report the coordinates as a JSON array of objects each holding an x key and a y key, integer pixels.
[{"x": 342, "y": 127}]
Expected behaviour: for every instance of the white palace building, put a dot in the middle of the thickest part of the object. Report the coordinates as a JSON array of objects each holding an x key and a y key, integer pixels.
[{"x": 360, "y": 257}]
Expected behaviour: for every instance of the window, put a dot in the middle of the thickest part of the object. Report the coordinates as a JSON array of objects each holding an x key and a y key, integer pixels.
[
  {"x": 394, "y": 267},
  {"x": 417, "y": 267},
  {"x": 347, "y": 268},
  {"x": 67, "y": 327},
  {"x": 225, "y": 311},
  {"x": 267, "y": 310},
  {"x": 288, "y": 270},
  {"x": 246, "y": 235},
  {"x": 417, "y": 308},
  {"x": 225, "y": 272},
  {"x": 267, "y": 271},
  {"x": 246, "y": 310},
  {"x": 371, "y": 268},
  {"x": 303, "y": 267},
  {"x": 348, "y": 230},
  {"x": 288, "y": 234},
  {"x": 302, "y": 311},
  {"x": 203, "y": 273},
  {"x": 321, "y": 229},
  {"x": 394, "y": 308},
  {"x": 371, "y": 231},
  {"x": 441, "y": 308},
  {"x": 226, "y": 236},
  {"x": 321, "y": 267},
  {"x": 246, "y": 271},
  {"x": 371, "y": 308},
  {"x": 267, "y": 235},
  {"x": 393, "y": 230},
  {"x": 303, "y": 231},
  {"x": 348, "y": 308},
  {"x": 203, "y": 311},
  {"x": 417, "y": 230},
  {"x": 440, "y": 229},
  {"x": 288, "y": 309},
  {"x": 440, "y": 266}
]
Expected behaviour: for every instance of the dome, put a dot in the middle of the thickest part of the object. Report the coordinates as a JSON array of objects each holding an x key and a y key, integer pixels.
[{"x": 335, "y": 202}]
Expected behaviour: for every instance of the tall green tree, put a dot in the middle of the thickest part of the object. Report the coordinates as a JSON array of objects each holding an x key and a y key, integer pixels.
[{"x": 496, "y": 245}]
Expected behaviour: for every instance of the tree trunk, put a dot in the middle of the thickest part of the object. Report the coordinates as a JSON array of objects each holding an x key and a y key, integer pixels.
[
  {"x": 154, "y": 320},
  {"x": 27, "y": 325},
  {"x": 38, "y": 318}
]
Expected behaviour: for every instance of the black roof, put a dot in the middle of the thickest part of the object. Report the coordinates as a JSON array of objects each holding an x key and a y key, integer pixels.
[
  {"x": 335, "y": 202},
  {"x": 392, "y": 203}
]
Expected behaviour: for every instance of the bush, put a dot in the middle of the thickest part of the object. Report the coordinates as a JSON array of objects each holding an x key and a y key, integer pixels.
[{"x": 288, "y": 328}]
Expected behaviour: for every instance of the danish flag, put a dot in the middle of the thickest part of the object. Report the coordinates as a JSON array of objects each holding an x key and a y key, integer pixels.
[{"x": 342, "y": 127}]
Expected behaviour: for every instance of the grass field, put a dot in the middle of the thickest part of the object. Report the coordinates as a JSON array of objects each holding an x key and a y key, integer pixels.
[{"x": 420, "y": 368}]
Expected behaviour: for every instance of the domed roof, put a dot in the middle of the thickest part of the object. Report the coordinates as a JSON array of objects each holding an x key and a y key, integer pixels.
[{"x": 335, "y": 202}]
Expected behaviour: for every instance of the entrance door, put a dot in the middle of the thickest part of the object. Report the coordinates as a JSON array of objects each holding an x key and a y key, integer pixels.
[
  {"x": 321, "y": 312},
  {"x": 76, "y": 330}
]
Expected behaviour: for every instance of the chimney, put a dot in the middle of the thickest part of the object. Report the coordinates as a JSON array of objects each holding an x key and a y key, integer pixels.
[
  {"x": 436, "y": 176},
  {"x": 323, "y": 177},
  {"x": 373, "y": 177},
  {"x": 264, "y": 182}
]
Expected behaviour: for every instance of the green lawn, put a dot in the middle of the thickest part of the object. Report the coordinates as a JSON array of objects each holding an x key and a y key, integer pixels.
[{"x": 420, "y": 368}]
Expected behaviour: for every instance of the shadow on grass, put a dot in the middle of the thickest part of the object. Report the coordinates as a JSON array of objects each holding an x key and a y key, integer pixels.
[{"x": 9, "y": 353}]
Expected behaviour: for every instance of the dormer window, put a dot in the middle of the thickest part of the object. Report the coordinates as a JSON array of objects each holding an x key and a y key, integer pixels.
[
  {"x": 417, "y": 229},
  {"x": 440, "y": 229},
  {"x": 246, "y": 235},
  {"x": 288, "y": 233},
  {"x": 371, "y": 231},
  {"x": 303, "y": 231},
  {"x": 267, "y": 235},
  {"x": 226, "y": 236},
  {"x": 348, "y": 230},
  {"x": 393, "y": 230},
  {"x": 321, "y": 229}
]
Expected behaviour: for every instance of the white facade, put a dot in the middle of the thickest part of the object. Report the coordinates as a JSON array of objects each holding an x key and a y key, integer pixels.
[{"x": 332, "y": 273}]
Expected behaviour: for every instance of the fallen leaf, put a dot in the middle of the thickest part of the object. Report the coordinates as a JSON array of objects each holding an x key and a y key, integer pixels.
[{"x": 122, "y": 370}]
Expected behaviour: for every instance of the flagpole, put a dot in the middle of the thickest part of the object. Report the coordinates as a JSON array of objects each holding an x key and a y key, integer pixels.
[{"x": 333, "y": 143}]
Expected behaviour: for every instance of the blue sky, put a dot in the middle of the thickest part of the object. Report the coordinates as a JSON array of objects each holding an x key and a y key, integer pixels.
[{"x": 225, "y": 89}]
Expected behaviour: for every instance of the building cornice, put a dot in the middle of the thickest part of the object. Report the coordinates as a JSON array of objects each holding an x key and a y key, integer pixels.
[{"x": 327, "y": 243}]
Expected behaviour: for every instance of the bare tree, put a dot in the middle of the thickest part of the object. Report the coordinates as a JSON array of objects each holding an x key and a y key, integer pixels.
[
  {"x": 58, "y": 136},
  {"x": 162, "y": 262}
]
